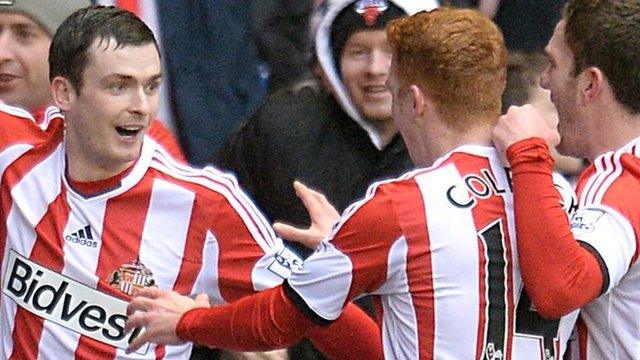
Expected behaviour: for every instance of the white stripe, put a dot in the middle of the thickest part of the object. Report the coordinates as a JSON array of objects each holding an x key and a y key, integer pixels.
[
  {"x": 16, "y": 111},
  {"x": 207, "y": 280},
  {"x": 11, "y": 154},
  {"x": 25, "y": 213},
  {"x": 455, "y": 261},
  {"x": 589, "y": 184},
  {"x": 165, "y": 231},
  {"x": 51, "y": 113},
  {"x": 399, "y": 321},
  {"x": 252, "y": 219},
  {"x": 80, "y": 264},
  {"x": 615, "y": 174},
  {"x": 601, "y": 173},
  {"x": 223, "y": 178}
]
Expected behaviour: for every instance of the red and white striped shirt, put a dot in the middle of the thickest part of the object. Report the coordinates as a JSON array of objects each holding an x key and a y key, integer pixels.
[
  {"x": 608, "y": 220},
  {"x": 438, "y": 248},
  {"x": 67, "y": 258}
]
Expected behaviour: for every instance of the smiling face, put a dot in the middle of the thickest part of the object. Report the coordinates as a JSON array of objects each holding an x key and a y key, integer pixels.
[
  {"x": 365, "y": 63},
  {"x": 24, "y": 72},
  {"x": 559, "y": 79},
  {"x": 109, "y": 116}
]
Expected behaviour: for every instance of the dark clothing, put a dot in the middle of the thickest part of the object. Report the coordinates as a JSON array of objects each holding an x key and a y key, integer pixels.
[
  {"x": 212, "y": 67},
  {"x": 280, "y": 28},
  {"x": 305, "y": 135},
  {"x": 528, "y": 25}
]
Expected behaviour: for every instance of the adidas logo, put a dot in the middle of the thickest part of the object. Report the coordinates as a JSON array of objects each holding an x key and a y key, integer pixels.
[{"x": 82, "y": 237}]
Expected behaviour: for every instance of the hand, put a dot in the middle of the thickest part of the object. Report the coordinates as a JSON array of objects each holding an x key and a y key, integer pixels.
[
  {"x": 519, "y": 123},
  {"x": 159, "y": 312},
  {"x": 323, "y": 215}
]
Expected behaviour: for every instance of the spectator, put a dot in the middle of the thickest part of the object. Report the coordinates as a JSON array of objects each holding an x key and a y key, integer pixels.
[
  {"x": 523, "y": 73},
  {"x": 526, "y": 24},
  {"x": 280, "y": 28},
  {"x": 212, "y": 68}
]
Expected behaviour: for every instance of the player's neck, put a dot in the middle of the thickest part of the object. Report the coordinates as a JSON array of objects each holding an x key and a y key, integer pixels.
[
  {"x": 615, "y": 128},
  {"x": 81, "y": 166},
  {"x": 437, "y": 141}
]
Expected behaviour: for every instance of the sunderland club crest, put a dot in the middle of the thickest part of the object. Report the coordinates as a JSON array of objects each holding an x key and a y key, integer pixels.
[{"x": 130, "y": 277}]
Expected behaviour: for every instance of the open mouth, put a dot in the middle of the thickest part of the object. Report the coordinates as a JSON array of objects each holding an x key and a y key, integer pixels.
[{"x": 128, "y": 131}]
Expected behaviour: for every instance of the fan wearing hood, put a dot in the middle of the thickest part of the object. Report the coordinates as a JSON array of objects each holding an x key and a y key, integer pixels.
[{"x": 334, "y": 133}]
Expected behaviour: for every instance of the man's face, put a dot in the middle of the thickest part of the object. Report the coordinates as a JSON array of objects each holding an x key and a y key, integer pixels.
[
  {"x": 109, "y": 116},
  {"x": 365, "y": 63},
  {"x": 559, "y": 80},
  {"x": 24, "y": 71}
]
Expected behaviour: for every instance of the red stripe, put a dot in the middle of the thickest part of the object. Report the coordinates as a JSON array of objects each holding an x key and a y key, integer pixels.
[
  {"x": 226, "y": 181},
  {"x": 193, "y": 249},
  {"x": 47, "y": 251},
  {"x": 131, "y": 5},
  {"x": 601, "y": 178},
  {"x": 483, "y": 303},
  {"x": 411, "y": 213},
  {"x": 13, "y": 173},
  {"x": 121, "y": 235},
  {"x": 485, "y": 212},
  {"x": 583, "y": 339},
  {"x": 28, "y": 328}
]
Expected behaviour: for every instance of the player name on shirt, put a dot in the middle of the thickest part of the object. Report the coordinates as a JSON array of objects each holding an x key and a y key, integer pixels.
[
  {"x": 67, "y": 302},
  {"x": 481, "y": 186}
]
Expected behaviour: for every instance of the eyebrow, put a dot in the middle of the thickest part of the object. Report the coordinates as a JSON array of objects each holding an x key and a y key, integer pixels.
[{"x": 119, "y": 76}]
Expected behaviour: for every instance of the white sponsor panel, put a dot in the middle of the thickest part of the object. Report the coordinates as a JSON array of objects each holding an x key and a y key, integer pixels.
[{"x": 66, "y": 302}]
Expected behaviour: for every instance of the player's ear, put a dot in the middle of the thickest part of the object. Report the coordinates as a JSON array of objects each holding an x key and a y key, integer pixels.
[
  {"x": 63, "y": 92},
  {"x": 590, "y": 84},
  {"x": 419, "y": 100}
]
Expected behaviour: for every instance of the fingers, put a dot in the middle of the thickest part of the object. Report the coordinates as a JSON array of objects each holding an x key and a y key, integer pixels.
[
  {"x": 140, "y": 304},
  {"x": 307, "y": 196},
  {"x": 138, "y": 341},
  {"x": 150, "y": 292},
  {"x": 294, "y": 234},
  {"x": 137, "y": 320},
  {"x": 316, "y": 203}
]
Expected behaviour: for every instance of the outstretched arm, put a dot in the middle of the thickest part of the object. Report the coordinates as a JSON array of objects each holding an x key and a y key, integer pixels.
[{"x": 264, "y": 321}]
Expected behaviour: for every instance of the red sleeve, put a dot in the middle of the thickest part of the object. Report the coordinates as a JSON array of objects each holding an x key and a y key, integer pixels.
[
  {"x": 558, "y": 273},
  {"x": 164, "y": 137},
  {"x": 269, "y": 320}
]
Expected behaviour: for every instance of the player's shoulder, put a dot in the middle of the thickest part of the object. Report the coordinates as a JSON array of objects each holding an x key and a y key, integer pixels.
[
  {"x": 19, "y": 128},
  {"x": 613, "y": 178},
  {"x": 207, "y": 182}
]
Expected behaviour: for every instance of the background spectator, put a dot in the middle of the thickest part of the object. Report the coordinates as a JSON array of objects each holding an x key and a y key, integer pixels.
[
  {"x": 527, "y": 25},
  {"x": 523, "y": 74}
]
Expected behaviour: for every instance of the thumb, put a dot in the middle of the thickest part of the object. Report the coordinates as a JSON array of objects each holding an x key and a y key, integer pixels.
[{"x": 202, "y": 300}]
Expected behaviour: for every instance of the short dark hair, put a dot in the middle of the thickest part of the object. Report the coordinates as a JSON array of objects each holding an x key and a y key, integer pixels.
[
  {"x": 523, "y": 73},
  {"x": 606, "y": 34},
  {"x": 68, "y": 55}
]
